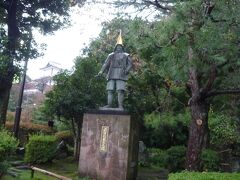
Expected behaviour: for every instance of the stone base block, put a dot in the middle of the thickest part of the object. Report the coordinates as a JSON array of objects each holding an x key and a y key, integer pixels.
[{"x": 109, "y": 146}]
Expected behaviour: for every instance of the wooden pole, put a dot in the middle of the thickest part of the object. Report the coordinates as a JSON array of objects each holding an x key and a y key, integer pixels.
[{"x": 50, "y": 173}]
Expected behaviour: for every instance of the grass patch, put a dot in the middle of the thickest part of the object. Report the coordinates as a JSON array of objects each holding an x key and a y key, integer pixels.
[
  {"x": 67, "y": 167},
  {"x": 204, "y": 176},
  {"x": 26, "y": 175}
]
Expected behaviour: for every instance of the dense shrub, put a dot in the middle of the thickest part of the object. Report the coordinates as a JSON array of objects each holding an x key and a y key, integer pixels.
[
  {"x": 10, "y": 116},
  {"x": 26, "y": 129},
  {"x": 8, "y": 145},
  {"x": 4, "y": 165},
  {"x": 175, "y": 159},
  {"x": 166, "y": 129},
  {"x": 223, "y": 130},
  {"x": 40, "y": 148},
  {"x": 209, "y": 160},
  {"x": 66, "y": 136},
  {"x": 40, "y": 115},
  {"x": 31, "y": 127},
  {"x": 157, "y": 157}
]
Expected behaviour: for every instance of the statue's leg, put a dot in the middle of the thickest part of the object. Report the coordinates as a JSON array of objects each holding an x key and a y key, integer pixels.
[
  {"x": 110, "y": 98},
  {"x": 120, "y": 99},
  {"x": 121, "y": 86},
  {"x": 110, "y": 89}
]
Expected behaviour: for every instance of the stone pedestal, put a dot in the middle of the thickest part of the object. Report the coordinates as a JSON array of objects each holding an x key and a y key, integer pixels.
[{"x": 109, "y": 146}]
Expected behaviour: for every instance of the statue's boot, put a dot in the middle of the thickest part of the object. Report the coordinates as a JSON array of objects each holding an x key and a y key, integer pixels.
[
  {"x": 109, "y": 99},
  {"x": 120, "y": 99}
]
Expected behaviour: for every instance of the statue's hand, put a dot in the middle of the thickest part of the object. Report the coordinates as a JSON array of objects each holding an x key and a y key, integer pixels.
[{"x": 99, "y": 74}]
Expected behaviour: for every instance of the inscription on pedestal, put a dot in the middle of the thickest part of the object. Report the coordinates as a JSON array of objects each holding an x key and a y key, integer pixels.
[{"x": 104, "y": 139}]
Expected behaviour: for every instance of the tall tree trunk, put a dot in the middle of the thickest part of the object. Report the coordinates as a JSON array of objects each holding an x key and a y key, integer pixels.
[
  {"x": 4, "y": 97},
  {"x": 77, "y": 144},
  {"x": 198, "y": 129},
  {"x": 77, "y": 140},
  {"x": 76, "y": 148},
  {"x": 198, "y": 134},
  {"x": 77, "y": 130},
  {"x": 13, "y": 34}
]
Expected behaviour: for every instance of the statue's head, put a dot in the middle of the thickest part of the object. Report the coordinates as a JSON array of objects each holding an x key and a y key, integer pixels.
[{"x": 118, "y": 48}]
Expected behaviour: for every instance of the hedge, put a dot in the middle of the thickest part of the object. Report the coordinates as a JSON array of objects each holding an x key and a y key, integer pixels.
[
  {"x": 8, "y": 145},
  {"x": 203, "y": 176},
  {"x": 40, "y": 148},
  {"x": 66, "y": 136},
  {"x": 26, "y": 129}
]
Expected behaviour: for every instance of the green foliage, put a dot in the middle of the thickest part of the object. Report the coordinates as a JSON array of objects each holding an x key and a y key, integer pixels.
[
  {"x": 40, "y": 148},
  {"x": 10, "y": 116},
  {"x": 157, "y": 91},
  {"x": 4, "y": 166},
  {"x": 18, "y": 44},
  {"x": 210, "y": 160},
  {"x": 223, "y": 130},
  {"x": 191, "y": 40},
  {"x": 175, "y": 160},
  {"x": 8, "y": 145},
  {"x": 74, "y": 94},
  {"x": 62, "y": 125},
  {"x": 41, "y": 115},
  {"x": 67, "y": 167},
  {"x": 26, "y": 175},
  {"x": 63, "y": 134},
  {"x": 66, "y": 136},
  {"x": 157, "y": 157},
  {"x": 203, "y": 176},
  {"x": 166, "y": 129},
  {"x": 172, "y": 159}
]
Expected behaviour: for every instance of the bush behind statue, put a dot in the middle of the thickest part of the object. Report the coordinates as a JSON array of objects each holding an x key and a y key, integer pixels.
[
  {"x": 157, "y": 157},
  {"x": 210, "y": 160},
  {"x": 40, "y": 148},
  {"x": 166, "y": 130},
  {"x": 174, "y": 158}
]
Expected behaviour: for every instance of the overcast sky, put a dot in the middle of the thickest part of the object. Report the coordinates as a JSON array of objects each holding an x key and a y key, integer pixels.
[{"x": 66, "y": 44}]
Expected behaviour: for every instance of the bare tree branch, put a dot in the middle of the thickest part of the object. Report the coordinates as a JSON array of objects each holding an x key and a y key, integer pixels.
[
  {"x": 158, "y": 5},
  {"x": 211, "y": 79},
  {"x": 224, "y": 91},
  {"x": 4, "y": 5}
]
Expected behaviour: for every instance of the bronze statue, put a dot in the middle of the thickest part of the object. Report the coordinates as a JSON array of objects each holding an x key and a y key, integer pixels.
[{"x": 117, "y": 67}]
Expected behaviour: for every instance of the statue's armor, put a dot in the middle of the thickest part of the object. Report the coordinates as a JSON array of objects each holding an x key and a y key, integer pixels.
[{"x": 117, "y": 65}]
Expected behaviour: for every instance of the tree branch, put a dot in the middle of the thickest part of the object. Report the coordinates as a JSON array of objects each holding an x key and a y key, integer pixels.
[
  {"x": 222, "y": 64},
  {"x": 157, "y": 4},
  {"x": 211, "y": 79},
  {"x": 224, "y": 91},
  {"x": 4, "y": 5}
]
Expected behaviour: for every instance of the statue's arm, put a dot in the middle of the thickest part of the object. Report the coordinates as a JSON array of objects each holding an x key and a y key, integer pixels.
[
  {"x": 129, "y": 64},
  {"x": 105, "y": 66}
]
